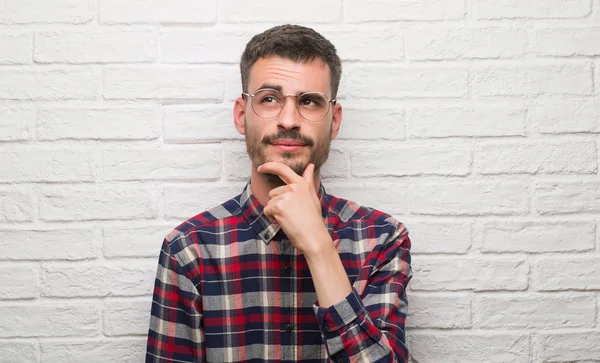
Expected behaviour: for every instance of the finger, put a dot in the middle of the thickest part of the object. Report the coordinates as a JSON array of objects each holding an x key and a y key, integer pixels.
[
  {"x": 309, "y": 175},
  {"x": 268, "y": 212},
  {"x": 276, "y": 205},
  {"x": 281, "y": 170},
  {"x": 282, "y": 189}
]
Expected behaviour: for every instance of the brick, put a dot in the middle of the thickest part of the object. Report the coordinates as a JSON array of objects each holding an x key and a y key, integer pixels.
[
  {"x": 367, "y": 43},
  {"x": 186, "y": 201},
  {"x": 568, "y": 346},
  {"x": 469, "y": 347},
  {"x": 356, "y": 11},
  {"x": 17, "y": 124},
  {"x": 597, "y": 76},
  {"x": 388, "y": 197},
  {"x": 98, "y": 203},
  {"x": 384, "y": 81},
  {"x": 536, "y": 157},
  {"x": 537, "y": 237},
  {"x": 559, "y": 118},
  {"x": 142, "y": 241},
  {"x": 40, "y": 11},
  {"x": 598, "y": 237},
  {"x": 337, "y": 165},
  {"x": 44, "y": 164},
  {"x": 441, "y": 43},
  {"x": 233, "y": 85},
  {"x": 199, "y": 45},
  {"x": 460, "y": 273},
  {"x": 184, "y": 124},
  {"x": 412, "y": 159},
  {"x": 127, "y": 317},
  {"x": 39, "y": 84},
  {"x": 238, "y": 11},
  {"x": 536, "y": 9},
  {"x": 438, "y": 237},
  {"x": 526, "y": 79},
  {"x": 158, "y": 11},
  {"x": 442, "y": 312},
  {"x": 18, "y": 282},
  {"x": 94, "y": 280},
  {"x": 40, "y": 319},
  {"x": 183, "y": 83},
  {"x": 16, "y": 206},
  {"x": 236, "y": 162},
  {"x": 572, "y": 273},
  {"x": 50, "y": 244},
  {"x": 541, "y": 311},
  {"x": 17, "y": 47},
  {"x": 567, "y": 42},
  {"x": 19, "y": 351},
  {"x": 470, "y": 121},
  {"x": 163, "y": 163},
  {"x": 96, "y": 46},
  {"x": 566, "y": 197},
  {"x": 372, "y": 124},
  {"x": 94, "y": 351},
  {"x": 119, "y": 123},
  {"x": 468, "y": 198}
]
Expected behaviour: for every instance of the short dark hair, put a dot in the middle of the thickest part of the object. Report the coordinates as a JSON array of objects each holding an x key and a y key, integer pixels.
[{"x": 294, "y": 42}]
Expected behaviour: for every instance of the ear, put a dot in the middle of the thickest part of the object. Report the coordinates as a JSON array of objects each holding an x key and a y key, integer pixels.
[
  {"x": 239, "y": 113},
  {"x": 336, "y": 120}
]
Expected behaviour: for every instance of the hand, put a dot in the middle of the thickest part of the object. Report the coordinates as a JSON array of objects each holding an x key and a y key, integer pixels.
[{"x": 296, "y": 207}]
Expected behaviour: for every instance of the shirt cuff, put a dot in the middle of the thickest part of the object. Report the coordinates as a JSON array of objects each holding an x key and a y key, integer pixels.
[{"x": 340, "y": 314}]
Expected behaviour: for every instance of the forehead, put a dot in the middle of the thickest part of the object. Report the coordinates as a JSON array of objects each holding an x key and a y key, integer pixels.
[{"x": 291, "y": 76}]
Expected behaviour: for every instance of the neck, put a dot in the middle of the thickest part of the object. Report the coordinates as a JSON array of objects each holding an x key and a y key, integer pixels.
[{"x": 261, "y": 186}]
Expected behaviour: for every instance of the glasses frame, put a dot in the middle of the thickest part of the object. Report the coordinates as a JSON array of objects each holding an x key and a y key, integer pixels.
[{"x": 330, "y": 102}]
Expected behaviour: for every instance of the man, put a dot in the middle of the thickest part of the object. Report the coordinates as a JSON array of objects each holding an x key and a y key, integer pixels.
[{"x": 284, "y": 271}]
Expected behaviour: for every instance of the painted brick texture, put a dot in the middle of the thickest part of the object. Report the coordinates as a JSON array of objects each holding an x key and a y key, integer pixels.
[{"x": 476, "y": 123}]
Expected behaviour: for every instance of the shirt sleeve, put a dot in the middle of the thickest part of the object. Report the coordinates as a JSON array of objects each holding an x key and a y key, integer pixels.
[
  {"x": 368, "y": 325},
  {"x": 175, "y": 333}
]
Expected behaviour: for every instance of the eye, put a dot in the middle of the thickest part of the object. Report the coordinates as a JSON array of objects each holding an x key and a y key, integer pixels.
[
  {"x": 312, "y": 101},
  {"x": 268, "y": 99}
]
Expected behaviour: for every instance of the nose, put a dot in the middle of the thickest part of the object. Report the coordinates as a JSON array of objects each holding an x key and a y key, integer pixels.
[{"x": 289, "y": 118}]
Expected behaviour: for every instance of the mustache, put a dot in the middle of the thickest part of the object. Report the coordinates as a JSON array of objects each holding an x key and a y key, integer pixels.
[{"x": 288, "y": 135}]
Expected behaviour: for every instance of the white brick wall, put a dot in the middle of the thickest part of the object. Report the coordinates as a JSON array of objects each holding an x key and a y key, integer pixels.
[{"x": 475, "y": 122}]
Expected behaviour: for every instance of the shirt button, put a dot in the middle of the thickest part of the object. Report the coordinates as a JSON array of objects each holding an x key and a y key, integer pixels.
[
  {"x": 289, "y": 328},
  {"x": 289, "y": 269}
]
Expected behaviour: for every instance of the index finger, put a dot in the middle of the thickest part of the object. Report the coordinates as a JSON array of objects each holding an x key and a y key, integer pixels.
[{"x": 281, "y": 170}]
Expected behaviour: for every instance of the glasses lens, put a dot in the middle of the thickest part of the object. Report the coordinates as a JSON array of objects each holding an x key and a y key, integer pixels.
[
  {"x": 313, "y": 106},
  {"x": 267, "y": 103}
]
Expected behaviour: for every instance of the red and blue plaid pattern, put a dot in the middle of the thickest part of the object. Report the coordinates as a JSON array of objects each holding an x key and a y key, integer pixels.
[{"x": 230, "y": 287}]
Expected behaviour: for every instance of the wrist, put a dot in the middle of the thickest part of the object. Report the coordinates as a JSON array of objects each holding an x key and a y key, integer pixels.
[{"x": 321, "y": 249}]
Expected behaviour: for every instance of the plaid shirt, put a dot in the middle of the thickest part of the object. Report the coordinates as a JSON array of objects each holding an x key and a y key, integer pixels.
[{"x": 230, "y": 287}]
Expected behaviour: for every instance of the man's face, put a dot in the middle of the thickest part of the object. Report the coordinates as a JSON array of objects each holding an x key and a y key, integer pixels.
[{"x": 270, "y": 139}]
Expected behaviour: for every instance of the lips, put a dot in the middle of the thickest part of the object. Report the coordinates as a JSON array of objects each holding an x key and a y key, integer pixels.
[{"x": 288, "y": 143}]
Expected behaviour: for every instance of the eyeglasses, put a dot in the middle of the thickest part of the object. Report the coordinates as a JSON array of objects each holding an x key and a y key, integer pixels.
[{"x": 268, "y": 103}]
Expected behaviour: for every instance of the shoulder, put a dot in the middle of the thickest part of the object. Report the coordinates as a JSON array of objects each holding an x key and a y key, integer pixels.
[
  {"x": 206, "y": 223},
  {"x": 356, "y": 216}
]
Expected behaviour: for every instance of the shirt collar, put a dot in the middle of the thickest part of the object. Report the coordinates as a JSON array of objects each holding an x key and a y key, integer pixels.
[{"x": 252, "y": 211}]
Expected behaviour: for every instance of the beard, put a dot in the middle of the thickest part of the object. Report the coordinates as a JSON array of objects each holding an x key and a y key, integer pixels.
[{"x": 318, "y": 151}]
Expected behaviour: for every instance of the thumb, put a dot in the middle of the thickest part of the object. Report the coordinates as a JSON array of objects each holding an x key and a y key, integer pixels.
[{"x": 308, "y": 174}]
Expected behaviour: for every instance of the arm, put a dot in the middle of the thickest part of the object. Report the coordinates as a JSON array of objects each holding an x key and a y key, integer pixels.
[
  {"x": 367, "y": 325},
  {"x": 364, "y": 323},
  {"x": 175, "y": 333}
]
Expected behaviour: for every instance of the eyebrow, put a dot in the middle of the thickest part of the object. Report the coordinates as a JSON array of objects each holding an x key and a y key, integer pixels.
[
  {"x": 277, "y": 88},
  {"x": 271, "y": 86}
]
